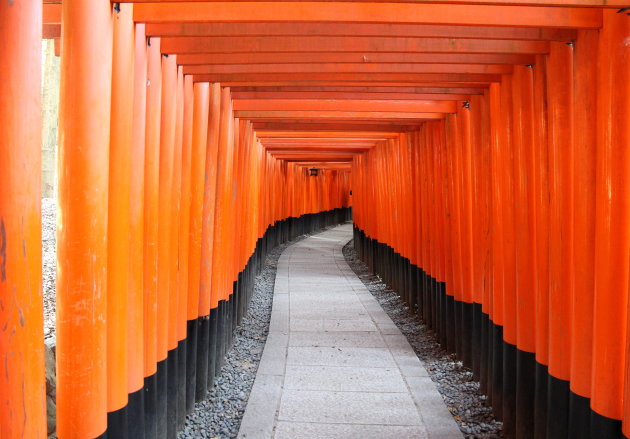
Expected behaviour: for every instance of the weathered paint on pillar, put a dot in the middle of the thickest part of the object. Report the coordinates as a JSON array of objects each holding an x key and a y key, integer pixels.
[
  {"x": 135, "y": 309},
  {"x": 199, "y": 142},
  {"x": 118, "y": 234},
  {"x": 151, "y": 189},
  {"x": 22, "y": 388},
  {"x": 84, "y": 120},
  {"x": 167, "y": 146}
]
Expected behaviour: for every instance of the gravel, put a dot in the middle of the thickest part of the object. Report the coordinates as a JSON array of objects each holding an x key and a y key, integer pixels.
[
  {"x": 453, "y": 380},
  {"x": 220, "y": 414},
  {"x": 49, "y": 265}
]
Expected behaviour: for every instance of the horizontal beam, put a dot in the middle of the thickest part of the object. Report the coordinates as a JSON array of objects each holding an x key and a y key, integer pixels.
[
  {"x": 562, "y": 3},
  {"x": 328, "y": 140},
  {"x": 325, "y": 127},
  {"x": 51, "y": 13},
  {"x": 297, "y": 134},
  {"x": 480, "y": 86},
  {"x": 308, "y": 147},
  {"x": 51, "y": 31},
  {"x": 378, "y": 78},
  {"x": 262, "y": 95},
  {"x": 363, "y": 12},
  {"x": 353, "y": 58},
  {"x": 333, "y": 166},
  {"x": 322, "y": 91},
  {"x": 300, "y": 154},
  {"x": 345, "y": 105},
  {"x": 318, "y": 149},
  {"x": 357, "y": 30},
  {"x": 337, "y": 120},
  {"x": 498, "y": 69},
  {"x": 178, "y": 45},
  {"x": 313, "y": 156},
  {"x": 356, "y": 115}
]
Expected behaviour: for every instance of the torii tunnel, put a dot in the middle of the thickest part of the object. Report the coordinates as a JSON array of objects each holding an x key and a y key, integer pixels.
[{"x": 483, "y": 146}]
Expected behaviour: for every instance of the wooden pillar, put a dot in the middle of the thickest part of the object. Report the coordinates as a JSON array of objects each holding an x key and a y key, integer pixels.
[
  {"x": 22, "y": 389},
  {"x": 207, "y": 329},
  {"x": 118, "y": 232},
  {"x": 524, "y": 230},
  {"x": 165, "y": 214},
  {"x": 612, "y": 231},
  {"x": 585, "y": 81},
  {"x": 183, "y": 253},
  {"x": 197, "y": 169},
  {"x": 84, "y": 132},
  {"x": 496, "y": 195},
  {"x": 222, "y": 240},
  {"x": 561, "y": 269},
  {"x": 151, "y": 189},
  {"x": 135, "y": 302},
  {"x": 541, "y": 216},
  {"x": 174, "y": 386}
]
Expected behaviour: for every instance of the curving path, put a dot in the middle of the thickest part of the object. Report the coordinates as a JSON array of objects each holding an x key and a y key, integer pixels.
[{"x": 335, "y": 365}]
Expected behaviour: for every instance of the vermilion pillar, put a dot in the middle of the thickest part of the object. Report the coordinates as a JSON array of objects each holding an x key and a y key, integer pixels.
[
  {"x": 135, "y": 301},
  {"x": 496, "y": 220},
  {"x": 207, "y": 329},
  {"x": 561, "y": 269},
  {"x": 197, "y": 169},
  {"x": 151, "y": 188},
  {"x": 184, "y": 245},
  {"x": 541, "y": 210},
  {"x": 165, "y": 213},
  {"x": 221, "y": 263},
  {"x": 22, "y": 391},
  {"x": 612, "y": 227},
  {"x": 118, "y": 225},
  {"x": 585, "y": 81},
  {"x": 84, "y": 133},
  {"x": 174, "y": 293}
]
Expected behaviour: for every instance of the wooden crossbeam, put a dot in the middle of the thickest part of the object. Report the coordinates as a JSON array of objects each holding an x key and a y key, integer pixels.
[
  {"x": 362, "y": 12},
  {"x": 178, "y": 45}
]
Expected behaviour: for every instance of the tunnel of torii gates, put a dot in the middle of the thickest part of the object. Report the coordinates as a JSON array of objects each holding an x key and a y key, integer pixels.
[{"x": 484, "y": 146}]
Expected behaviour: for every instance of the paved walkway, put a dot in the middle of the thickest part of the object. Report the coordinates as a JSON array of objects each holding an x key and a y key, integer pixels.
[{"x": 335, "y": 365}]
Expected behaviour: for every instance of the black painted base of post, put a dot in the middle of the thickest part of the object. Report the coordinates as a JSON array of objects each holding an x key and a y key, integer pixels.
[
  {"x": 117, "y": 424},
  {"x": 182, "y": 346},
  {"x": 172, "y": 393},
  {"x": 203, "y": 334},
  {"x": 191, "y": 364},
  {"x": 557, "y": 408},
  {"x": 135, "y": 414},
  {"x": 162, "y": 393},
  {"x": 150, "y": 406},
  {"x": 525, "y": 393}
]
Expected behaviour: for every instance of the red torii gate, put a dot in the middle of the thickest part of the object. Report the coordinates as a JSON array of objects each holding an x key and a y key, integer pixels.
[{"x": 376, "y": 71}]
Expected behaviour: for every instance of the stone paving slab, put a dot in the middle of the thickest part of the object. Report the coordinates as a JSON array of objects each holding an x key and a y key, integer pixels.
[
  {"x": 335, "y": 365},
  {"x": 292, "y": 430}
]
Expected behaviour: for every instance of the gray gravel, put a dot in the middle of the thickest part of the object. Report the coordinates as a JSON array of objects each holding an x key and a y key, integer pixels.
[
  {"x": 454, "y": 381},
  {"x": 220, "y": 414},
  {"x": 49, "y": 265}
]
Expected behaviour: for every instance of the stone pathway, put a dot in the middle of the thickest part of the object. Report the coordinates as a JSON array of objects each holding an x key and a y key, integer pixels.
[{"x": 335, "y": 365}]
